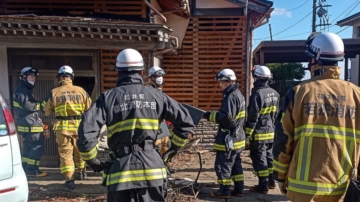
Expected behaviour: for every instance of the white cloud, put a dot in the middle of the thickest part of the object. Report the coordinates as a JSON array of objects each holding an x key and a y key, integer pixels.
[{"x": 281, "y": 12}]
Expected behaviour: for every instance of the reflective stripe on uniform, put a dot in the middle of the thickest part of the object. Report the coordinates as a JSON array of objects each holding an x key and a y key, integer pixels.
[
  {"x": 282, "y": 117},
  {"x": 65, "y": 169},
  {"x": 68, "y": 125},
  {"x": 90, "y": 154},
  {"x": 224, "y": 181},
  {"x": 305, "y": 134},
  {"x": 16, "y": 104},
  {"x": 176, "y": 140},
  {"x": 316, "y": 188},
  {"x": 78, "y": 108},
  {"x": 33, "y": 162},
  {"x": 280, "y": 167},
  {"x": 37, "y": 106},
  {"x": 135, "y": 175},
  {"x": 248, "y": 131},
  {"x": 302, "y": 172},
  {"x": 263, "y": 173},
  {"x": 80, "y": 165},
  {"x": 212, "y": 117},
  {"x": 237, "y": 145},
  {"x": 268, "y": 110},
  {"x": 43, "y": 103},
  {"x": 131, "y": 124},
  {"x": 264, "y": 136},
  {"x": 32, "y": 129},
  {"x": 238, "y": 178},
  {"x": 325, "y": 131},
  {"x": 240, "y": 115},
  {"x": 24, "y": 159},
  {"x": 271, "y": 170}
]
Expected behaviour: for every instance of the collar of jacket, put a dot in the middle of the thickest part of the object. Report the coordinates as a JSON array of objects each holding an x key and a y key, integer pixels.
[
  {"x": 27, "y": 85},
  {"x": 261, "y": 84},
  {"x": 155, "y": 86},
  {"x": 330, "y": 72},
  {"x": 66, "y": 83},
  {"x": 230, "y": 88},
  {"x": 127, "y": 79}
]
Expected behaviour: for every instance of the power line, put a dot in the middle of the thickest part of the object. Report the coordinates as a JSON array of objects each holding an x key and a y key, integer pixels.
[
  {"x": 295, "y": 35},
  {"x": 292, "y": 8},
  {"x": 342, "y": 30},
  {"x": 287, "y": 28},
  {"x": 353, "y": 7},
  {"x": 357, "y": 1}
]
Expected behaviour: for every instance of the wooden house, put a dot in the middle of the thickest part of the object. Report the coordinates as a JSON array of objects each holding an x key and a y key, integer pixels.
[{"x": 191, "y": 39}]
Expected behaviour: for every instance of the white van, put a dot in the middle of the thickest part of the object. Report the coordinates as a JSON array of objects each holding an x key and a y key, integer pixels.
[{"x": 13, "y": 181}]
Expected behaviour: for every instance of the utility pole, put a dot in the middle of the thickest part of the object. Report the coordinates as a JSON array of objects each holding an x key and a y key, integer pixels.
[
  {"x": 314, "y": 17},
  {"x": 270, "y": 32},
  {"x": 322, "y": 14}
]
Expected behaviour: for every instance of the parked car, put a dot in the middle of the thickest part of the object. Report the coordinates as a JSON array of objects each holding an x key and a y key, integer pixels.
[{"x": 13, "y": 181}]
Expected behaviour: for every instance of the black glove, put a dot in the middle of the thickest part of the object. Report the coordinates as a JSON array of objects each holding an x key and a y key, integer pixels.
[
  {"x": 170, "y": 153},
  {"x": 96, "y": 165},
  {"x": 206, "y": 115}
]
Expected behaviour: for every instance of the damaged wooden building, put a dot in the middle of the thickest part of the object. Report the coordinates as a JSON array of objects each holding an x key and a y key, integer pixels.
[{"x": 191, "y": 39}]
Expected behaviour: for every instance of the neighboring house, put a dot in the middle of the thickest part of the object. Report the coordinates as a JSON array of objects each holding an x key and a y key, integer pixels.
[
  {"x": 353, "y": 21},
  {"x": 192, "y": 40}
]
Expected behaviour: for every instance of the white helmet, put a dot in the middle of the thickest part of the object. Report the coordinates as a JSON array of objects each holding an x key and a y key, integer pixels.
[
  {"x": 156, "y": 71},
  {"x": 327, "y": 47},
  {"x": 262, "y": 72},
  {"x": 226, "y": 75},
  {"x": 29, "y": 71},
  {"x": 65, "y": 70},
  {"x": 129, "y": 60}
]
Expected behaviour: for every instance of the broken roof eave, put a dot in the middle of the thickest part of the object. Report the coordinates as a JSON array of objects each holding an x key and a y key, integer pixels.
[{"x": 65, "y": 33}]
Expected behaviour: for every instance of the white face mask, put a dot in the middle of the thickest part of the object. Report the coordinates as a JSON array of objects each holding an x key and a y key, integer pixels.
[
  {"x": 31, "y": 82},
  {"x": 159, "y": 80}
]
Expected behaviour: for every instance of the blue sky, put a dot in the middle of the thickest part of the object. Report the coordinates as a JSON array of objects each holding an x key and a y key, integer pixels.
[{"x": 288, "y": 13}]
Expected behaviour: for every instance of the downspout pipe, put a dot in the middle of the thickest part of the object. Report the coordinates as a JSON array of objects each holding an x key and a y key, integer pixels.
[{"x": 248, "y": 54}]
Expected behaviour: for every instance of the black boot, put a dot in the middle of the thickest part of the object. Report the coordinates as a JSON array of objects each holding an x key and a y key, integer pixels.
[
  {"x": 262, "y": 187},
  {"x": 238, "y": 189},
  {"x": 70, "y": 184},
  {"x": 272, "y": 184},
  {"x": 223, "y": 192}
]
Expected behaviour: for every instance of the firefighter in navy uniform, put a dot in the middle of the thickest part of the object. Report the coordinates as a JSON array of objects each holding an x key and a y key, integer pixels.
[
  {"x": 230, "y": 139},
  {"x": 262, "y": 112},
  {"x": 156, "y": 80},
  {"x": 132, "y": 113},
  {"x": 29, "y": 124}
]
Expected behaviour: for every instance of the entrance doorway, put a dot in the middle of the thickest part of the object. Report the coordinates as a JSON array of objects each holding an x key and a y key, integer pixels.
[{"x": 85, "y": 66}]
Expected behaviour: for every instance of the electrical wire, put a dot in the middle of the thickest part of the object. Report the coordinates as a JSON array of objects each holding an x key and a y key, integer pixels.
[
  {"x": 292, "y": 8},
  {"x": 342, "y": 30},
  {"x": 357, "y": 1},
  {"x": 295, "y": 35},
  {"x": 287, "y": 28}
]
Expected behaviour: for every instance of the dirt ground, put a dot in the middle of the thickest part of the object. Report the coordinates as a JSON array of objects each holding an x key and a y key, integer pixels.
[{"x": 51, "y": 188}]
